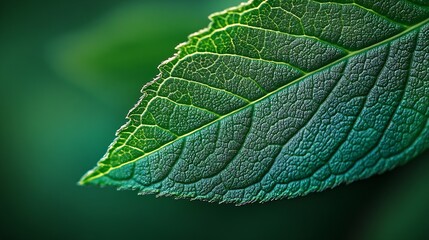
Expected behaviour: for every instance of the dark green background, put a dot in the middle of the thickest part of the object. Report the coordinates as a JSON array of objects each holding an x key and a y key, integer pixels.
[{"x": 69, "y": 72}]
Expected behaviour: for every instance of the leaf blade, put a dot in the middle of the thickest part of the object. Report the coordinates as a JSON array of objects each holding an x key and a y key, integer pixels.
[{"x": 172, "y": 173}]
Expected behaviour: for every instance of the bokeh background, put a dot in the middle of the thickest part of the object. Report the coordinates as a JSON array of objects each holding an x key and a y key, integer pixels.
[{"x": 71, "y": 70}]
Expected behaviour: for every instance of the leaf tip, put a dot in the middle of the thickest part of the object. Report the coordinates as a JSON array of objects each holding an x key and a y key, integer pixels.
[{"x": 88, "y": 178}]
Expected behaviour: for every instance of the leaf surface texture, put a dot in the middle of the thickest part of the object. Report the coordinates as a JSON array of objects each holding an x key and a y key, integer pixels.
[{"x": 280, "y": 98}]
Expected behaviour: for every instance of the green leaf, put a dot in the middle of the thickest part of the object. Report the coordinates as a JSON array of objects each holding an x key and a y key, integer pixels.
[{"x": 280, "y": 98}]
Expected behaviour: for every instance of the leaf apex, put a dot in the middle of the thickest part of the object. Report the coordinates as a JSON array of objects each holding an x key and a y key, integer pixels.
[{"x": 88, "y": 178}]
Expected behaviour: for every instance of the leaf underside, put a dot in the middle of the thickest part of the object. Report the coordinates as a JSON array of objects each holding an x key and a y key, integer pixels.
[{"x": 277, "y": 99}]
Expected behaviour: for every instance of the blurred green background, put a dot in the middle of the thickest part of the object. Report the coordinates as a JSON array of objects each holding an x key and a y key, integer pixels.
[{"x": 71, "y": 70}]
